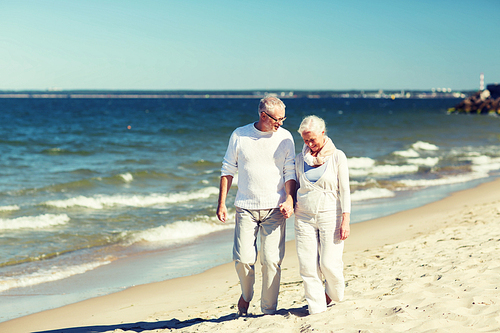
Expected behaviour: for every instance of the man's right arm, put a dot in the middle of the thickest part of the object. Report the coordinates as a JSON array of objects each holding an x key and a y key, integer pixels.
[{"x": 225, "y": 185}]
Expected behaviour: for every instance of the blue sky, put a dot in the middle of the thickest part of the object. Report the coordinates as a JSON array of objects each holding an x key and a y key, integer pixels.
[{"x": 240, "y": 45}]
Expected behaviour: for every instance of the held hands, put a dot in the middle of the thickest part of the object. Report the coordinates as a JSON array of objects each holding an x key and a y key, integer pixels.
[{"x": 286, "y": 208}]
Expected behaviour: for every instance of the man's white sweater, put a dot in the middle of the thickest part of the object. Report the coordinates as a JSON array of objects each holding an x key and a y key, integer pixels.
[{"x": 264, "y": 162}]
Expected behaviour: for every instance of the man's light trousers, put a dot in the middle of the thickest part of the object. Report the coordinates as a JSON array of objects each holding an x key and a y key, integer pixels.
[
  {"x": 272, "y": 225},
  {"x": 319, "y": 250}
]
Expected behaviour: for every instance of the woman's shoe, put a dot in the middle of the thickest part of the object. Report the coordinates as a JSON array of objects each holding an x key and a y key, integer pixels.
[{"x": 328, "y": 300}]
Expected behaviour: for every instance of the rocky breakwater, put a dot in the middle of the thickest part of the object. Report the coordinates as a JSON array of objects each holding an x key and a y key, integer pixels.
[{"x": 483, "y": 102}]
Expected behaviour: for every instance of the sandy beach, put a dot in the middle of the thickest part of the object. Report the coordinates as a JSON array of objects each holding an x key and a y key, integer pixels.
[{"x": 430, "y": 269}]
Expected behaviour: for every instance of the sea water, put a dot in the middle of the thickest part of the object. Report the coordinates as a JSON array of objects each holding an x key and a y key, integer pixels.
[{"x": 97, "y": 195}]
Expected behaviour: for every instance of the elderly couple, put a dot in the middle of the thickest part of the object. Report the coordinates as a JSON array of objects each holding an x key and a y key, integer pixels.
[{"x": 270, "y": 176}]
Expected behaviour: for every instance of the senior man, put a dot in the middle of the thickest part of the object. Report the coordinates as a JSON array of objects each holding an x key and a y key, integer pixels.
[{"x": 262, "y": 153}]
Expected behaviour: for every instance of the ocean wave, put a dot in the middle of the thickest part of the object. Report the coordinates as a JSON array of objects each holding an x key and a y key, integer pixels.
[
  {"x": 60, "y": 151},
  {"x": 9, "y": 208},
  {"x": 484, "y": 163},
  {"x": 201, "y": 165},
  {"x": 55, "y": 273},
  {"x": 428, "y": 161},
  {"x": 372, "y": 193},
  {"x": 364, "y": 166},
  {"x": 93, "y": 182},
  {"x": 387, "y": 169},
  {"x": 102, "y": 201},
  {"x": 178, "y": 232},
  {"x": 127, "y": 177},
  {"x": 360, "y": 162},
  {"x": 151, "y": 174},
  {"x": 421, "y": 145},
  {"x": 407, "y": 153},
  {"x": 34, "y": 222}
]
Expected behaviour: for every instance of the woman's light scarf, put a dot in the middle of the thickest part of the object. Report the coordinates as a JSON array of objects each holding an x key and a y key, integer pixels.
[{"x": 323, "y": 155}]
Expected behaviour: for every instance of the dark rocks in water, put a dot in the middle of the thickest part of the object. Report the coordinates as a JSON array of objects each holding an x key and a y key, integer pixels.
[
  {"x": 494, "y": 90},
  {"x": 483, "y": 102}
]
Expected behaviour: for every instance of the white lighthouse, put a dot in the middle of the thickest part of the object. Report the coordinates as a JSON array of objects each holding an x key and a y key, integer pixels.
[{"x": 481, "y": 82}]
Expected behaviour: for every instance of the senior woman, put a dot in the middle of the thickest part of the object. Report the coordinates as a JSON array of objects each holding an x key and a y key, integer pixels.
[{"x": 322, "y": 214}]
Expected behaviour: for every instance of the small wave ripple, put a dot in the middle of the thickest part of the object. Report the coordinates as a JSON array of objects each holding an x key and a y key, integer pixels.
[{"x": 54, "y": 273}]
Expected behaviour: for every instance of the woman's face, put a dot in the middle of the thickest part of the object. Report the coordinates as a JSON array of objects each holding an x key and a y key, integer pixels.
[{"x": 315, "y": 141}]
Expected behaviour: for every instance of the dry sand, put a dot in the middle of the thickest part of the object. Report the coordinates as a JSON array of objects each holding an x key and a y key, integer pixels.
[{"x": 434, "y": 268}]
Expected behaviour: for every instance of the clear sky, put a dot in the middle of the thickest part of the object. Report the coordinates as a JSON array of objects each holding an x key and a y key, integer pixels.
[{"x": 245, "y": 44}]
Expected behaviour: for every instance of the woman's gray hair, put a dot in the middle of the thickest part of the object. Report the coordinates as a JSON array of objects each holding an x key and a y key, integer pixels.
[
  {"x": 312, "y": 124},
  {"x": 270, "y": 103}
]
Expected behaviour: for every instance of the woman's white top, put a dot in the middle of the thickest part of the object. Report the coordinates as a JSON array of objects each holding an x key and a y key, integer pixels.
[
  {"x": 331, "y": 189},
  {"x": 313, "y": 174}
]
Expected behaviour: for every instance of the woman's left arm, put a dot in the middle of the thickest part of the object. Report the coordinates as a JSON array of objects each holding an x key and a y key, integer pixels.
[{"x": 345, "y": 197}]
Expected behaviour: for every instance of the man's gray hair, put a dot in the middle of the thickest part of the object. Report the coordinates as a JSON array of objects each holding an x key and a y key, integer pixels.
[
  {"x": 312, "y": 124},
  {"x": 270, "y": 103}
]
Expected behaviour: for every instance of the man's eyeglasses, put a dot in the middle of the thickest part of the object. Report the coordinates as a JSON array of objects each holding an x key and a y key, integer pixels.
[{"x": 276, "y": 120}]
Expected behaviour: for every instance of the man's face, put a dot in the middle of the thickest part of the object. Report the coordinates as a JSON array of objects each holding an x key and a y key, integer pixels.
[{"x": 273, "y": 119}]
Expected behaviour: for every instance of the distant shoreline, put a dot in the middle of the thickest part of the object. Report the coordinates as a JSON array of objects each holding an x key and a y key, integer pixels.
[{"x": 285, "y": 94}]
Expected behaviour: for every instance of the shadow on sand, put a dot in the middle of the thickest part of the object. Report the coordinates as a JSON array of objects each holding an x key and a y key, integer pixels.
[{"x": 169, "y": 324}]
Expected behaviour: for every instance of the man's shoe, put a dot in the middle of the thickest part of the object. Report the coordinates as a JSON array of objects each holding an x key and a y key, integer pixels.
[{"x": 242, "y": 306}]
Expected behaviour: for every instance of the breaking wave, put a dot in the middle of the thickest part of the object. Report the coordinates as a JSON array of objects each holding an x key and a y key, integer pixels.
[
  {"x": 9, "y": 208},
  {"x": 372, "y": 193},
  {"x": 178, "y": 232},
  {"x": 103, "y": 201},
  {"x": 34, "y": 222}
]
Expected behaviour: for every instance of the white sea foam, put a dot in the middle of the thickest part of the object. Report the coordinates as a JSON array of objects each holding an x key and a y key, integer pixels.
[
  {"x": 482, "y": 163},
  {"x": 364, "y": 166},
  {"x": 53, "y": 274},
  {"x": 102, "y": 201},
  {"x": 421, "y": 145},
  {"x": 384, "y": 170},
  {"x": 372, "y": 193},
  {"x": 360, "y": 162},
  {"x": 178, "y": 232},
  {"x": 407, "y": 153},
  {"x": 484, "y": 160},
  {"x": 9, "y": 208},
  {"x": 356, "y": 183},
  {"x": 479, "y": 159},
  {"x": 393, "y": 169},
  {"x": 428, "y": 161},
  {"x": 481, "y": 166},
  {"x": 34, "y": 222},
  {"x": 127, "y": 177},
  {"x": 486, "y": 168}
]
